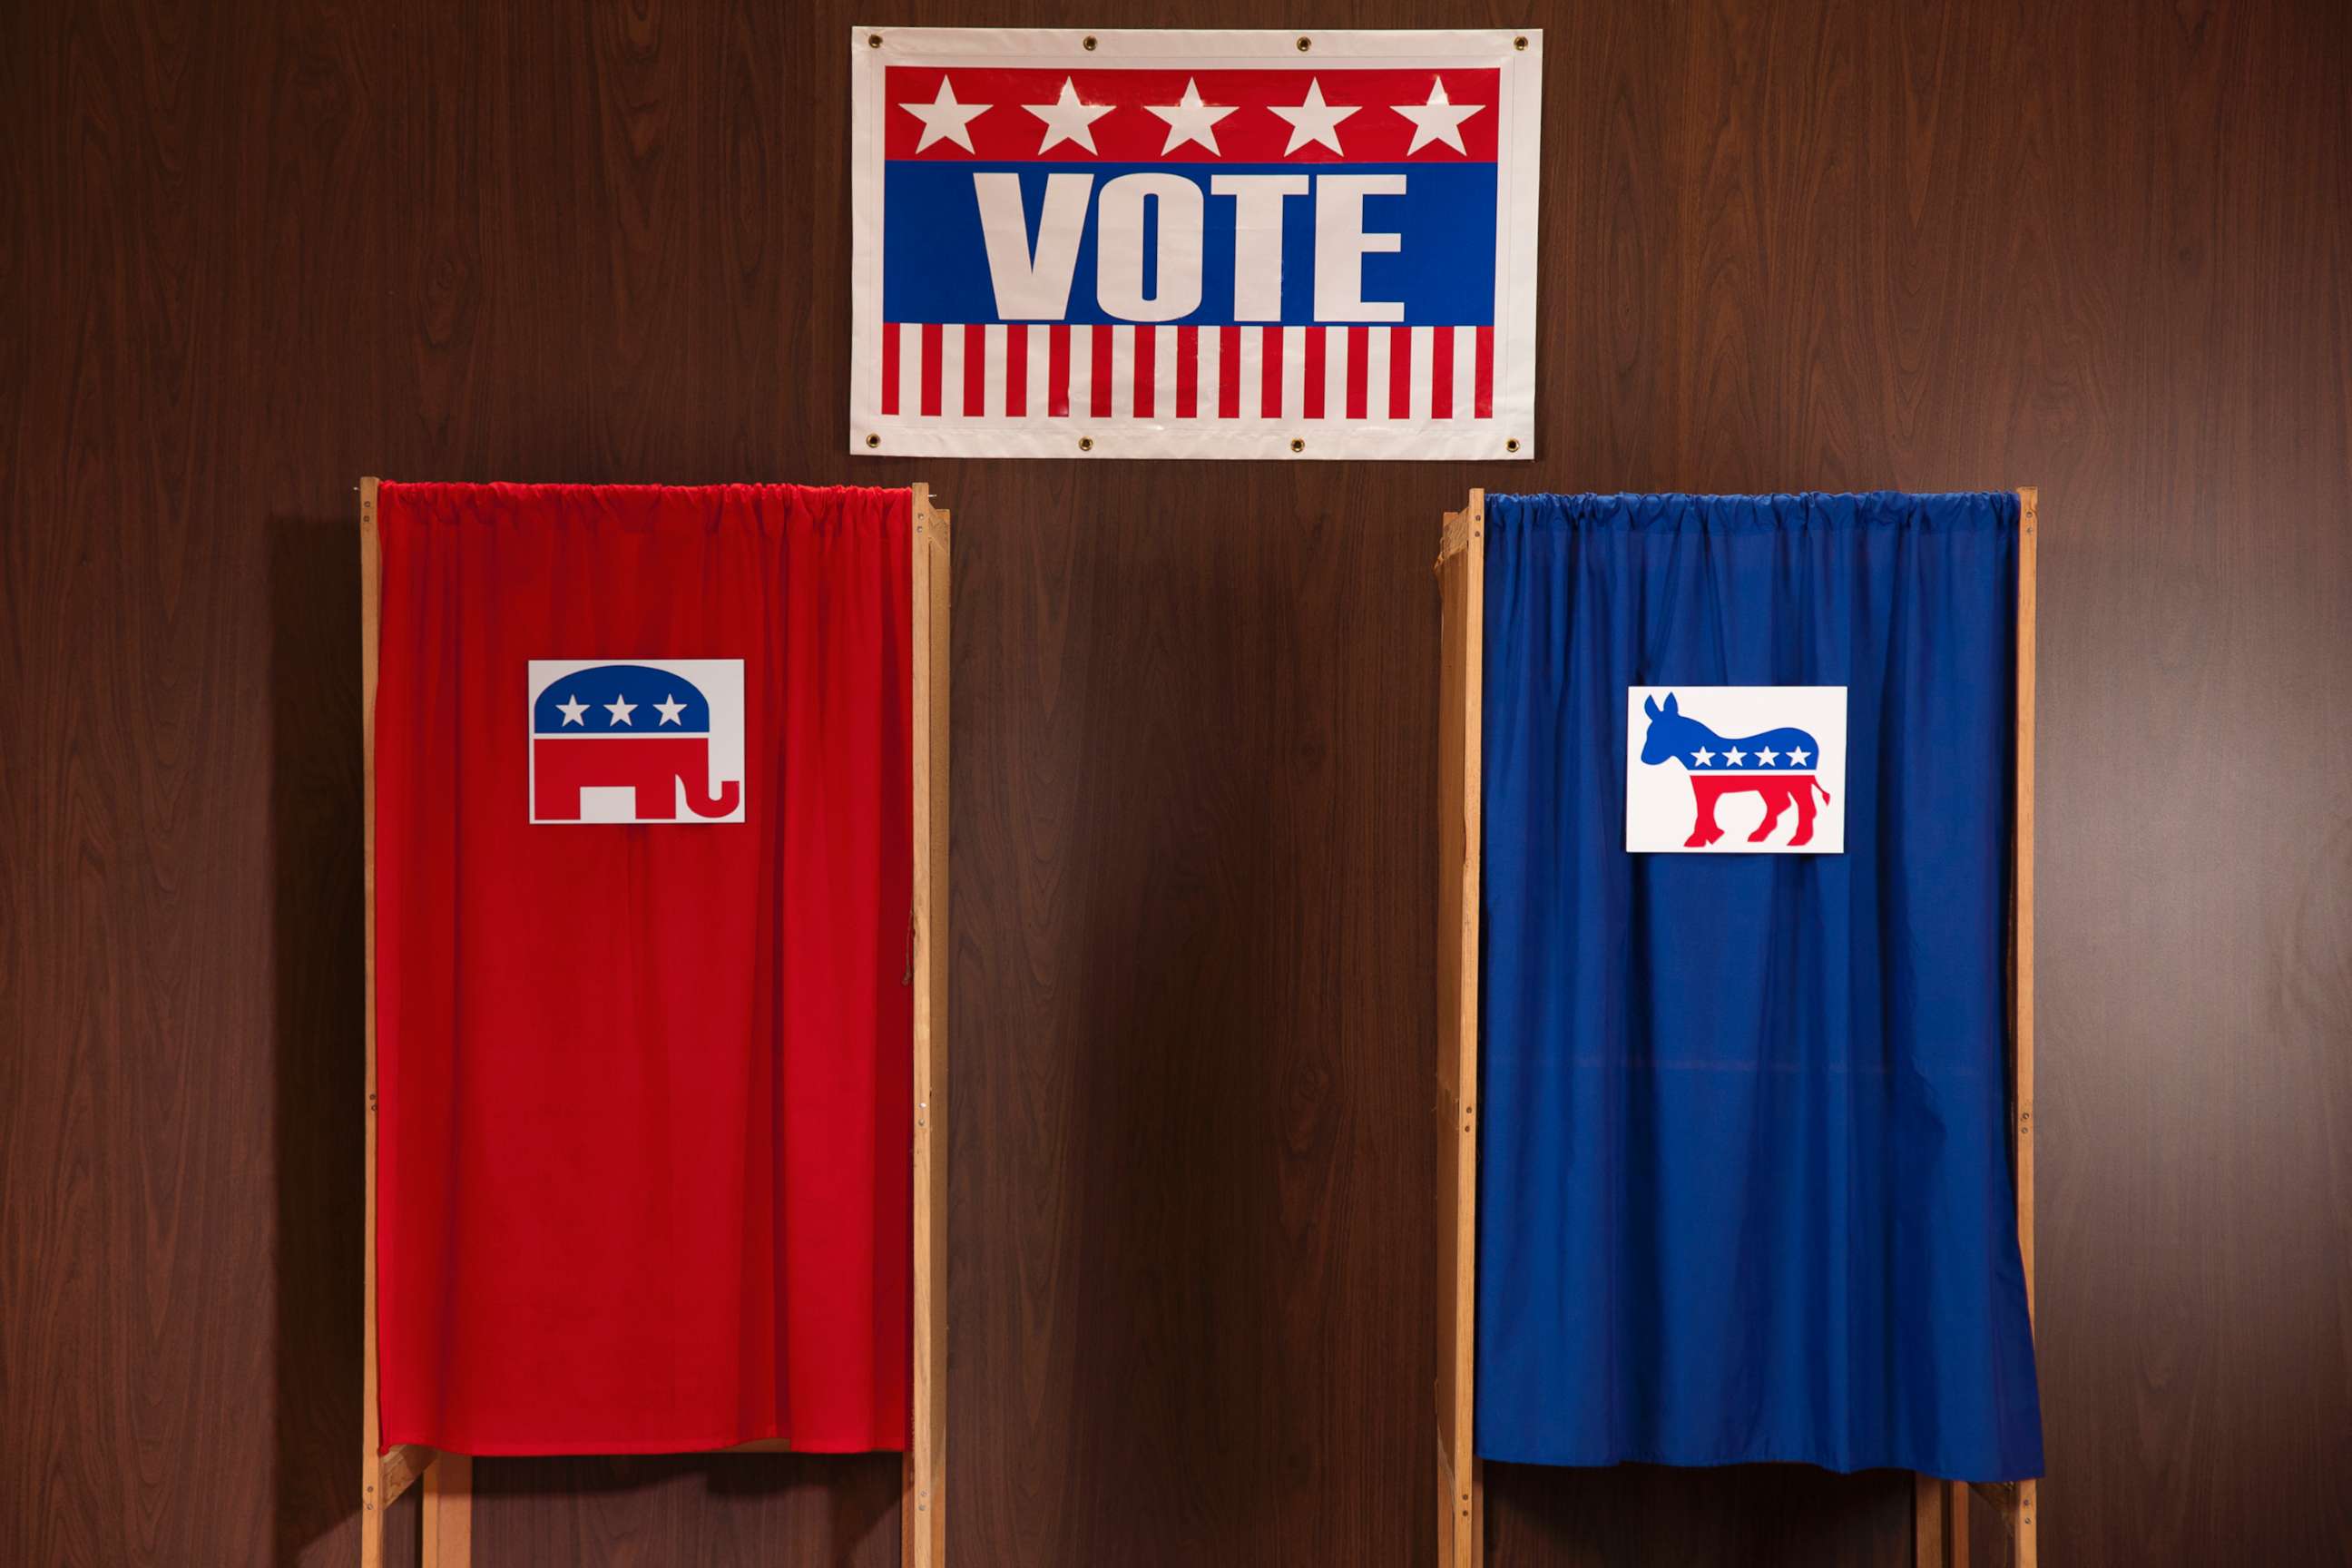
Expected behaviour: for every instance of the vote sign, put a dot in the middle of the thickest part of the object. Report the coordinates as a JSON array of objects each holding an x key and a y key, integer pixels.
[{"x": 1195, "y": 243}]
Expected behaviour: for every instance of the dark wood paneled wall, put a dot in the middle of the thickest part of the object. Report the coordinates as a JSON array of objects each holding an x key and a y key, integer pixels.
[{"x": 252, "y": 251}]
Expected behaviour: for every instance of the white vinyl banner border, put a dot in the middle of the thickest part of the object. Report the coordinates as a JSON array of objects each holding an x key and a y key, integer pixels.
[{"x": 1327, "y": 388}]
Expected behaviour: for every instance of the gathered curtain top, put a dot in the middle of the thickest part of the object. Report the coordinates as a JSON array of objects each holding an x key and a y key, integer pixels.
[{"x": 1954, "y": 511}]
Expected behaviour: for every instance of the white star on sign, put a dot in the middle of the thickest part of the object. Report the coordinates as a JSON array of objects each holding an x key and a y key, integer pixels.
[
  {"x": 670, "y": 710},
  {"x": 1796, "y": 756},
  {"x": 1067, "y": 120},
  {"x": 620, "y": 707},
  {"x": 1768, "y": 756},
  {"x": 1703, "y": 756},
  {"x": 1190, "y": 120},
  {"x": 571, "y": 711},
  {"x": 1439, "y": 120},
  {"x": 1734, "y": 756},
  {"x": 945, "y": 120},
  {"x": 1313, "y": 120}
]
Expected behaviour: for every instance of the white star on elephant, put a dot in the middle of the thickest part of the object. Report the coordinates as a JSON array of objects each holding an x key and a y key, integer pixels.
[
  {"x": 571, "y": 711},
  {"x": 620, "y": 707},
  {"x": 670, "y": 710}
]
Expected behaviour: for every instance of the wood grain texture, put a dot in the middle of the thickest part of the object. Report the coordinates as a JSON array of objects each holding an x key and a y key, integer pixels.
[
  {"x": 1460, "y": 801},
  {"x": 2101, "y": 247},
  {"x": 2021, "y": 1505},
  {"x": 922, "y": 1537}
]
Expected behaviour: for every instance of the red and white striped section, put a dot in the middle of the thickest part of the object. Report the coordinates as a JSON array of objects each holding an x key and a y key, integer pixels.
[{"x": 1169, "y": 375}]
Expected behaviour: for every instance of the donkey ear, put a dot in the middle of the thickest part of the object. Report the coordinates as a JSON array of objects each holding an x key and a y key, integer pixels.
[
  {"x": 1671, "y": 708},
  {"x": 1649, "y": 706}
]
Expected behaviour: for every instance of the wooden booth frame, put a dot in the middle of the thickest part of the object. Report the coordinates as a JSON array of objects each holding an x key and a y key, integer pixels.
[
  {"x": 1942, "y": 1509},
  {"x": 447, "y": 1527}
]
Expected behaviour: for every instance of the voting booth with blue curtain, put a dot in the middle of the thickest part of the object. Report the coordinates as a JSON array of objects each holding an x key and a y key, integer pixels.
[{"x": 1736, "y": 891}]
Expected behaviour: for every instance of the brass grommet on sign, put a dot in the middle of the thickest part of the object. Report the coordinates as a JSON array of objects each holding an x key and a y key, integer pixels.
[
  {"x": 1306, "y": 44},
  {"x": 1088, "y": 41},
  {"x": 873, "y": 41},
  {"x": 1085, "y": 443},
  {"x": 1521, "y": 42},
  {"x": 873, "y": 441},
  {"x": 1511, "y": 444},
  {"x": 1298, "y": 444}
]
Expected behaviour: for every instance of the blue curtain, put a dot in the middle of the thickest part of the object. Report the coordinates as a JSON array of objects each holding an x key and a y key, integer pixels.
[{"x": 1744, "y": 1191}]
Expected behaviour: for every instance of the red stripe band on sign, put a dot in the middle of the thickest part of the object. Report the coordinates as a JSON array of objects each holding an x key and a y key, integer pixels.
[
  {"x": 1380, "y": 371},
  {"x": 932, "y": 358},
  {"x": 1016, "y": 370}
]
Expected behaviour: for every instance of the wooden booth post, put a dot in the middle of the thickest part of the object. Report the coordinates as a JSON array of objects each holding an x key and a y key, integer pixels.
[
  {"x": 1462, "y": 579},
  {"x": 448, "y": 1477},
  {"x": 1941, "y": 1508},
  {"x": 922, "y": 1522}
]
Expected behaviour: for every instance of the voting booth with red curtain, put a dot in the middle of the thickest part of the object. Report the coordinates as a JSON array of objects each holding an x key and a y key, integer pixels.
[{"x": 657, "y": 876}]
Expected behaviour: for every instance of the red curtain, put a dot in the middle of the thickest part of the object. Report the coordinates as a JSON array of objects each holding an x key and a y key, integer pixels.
[{"x": 642, "y": 1090}]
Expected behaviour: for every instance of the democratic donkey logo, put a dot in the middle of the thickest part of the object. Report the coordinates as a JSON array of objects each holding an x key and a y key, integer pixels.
[
  {"x": 636, "y": 740},
  {"x": 1765, "y": 765}
]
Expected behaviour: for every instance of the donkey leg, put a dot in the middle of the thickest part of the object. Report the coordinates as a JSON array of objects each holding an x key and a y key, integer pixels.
[
  {"x": 1776, "y": 800},
  {"x": 1805, "y": 808},
  {"x": 1703, "y": 831}
]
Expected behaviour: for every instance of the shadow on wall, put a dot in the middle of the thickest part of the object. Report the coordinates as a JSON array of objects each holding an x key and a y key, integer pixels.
[
  {"x": 527, "y": 1511},
  {"x": 317, "y": 1054},
  {"x": 835, "y": 1510}
]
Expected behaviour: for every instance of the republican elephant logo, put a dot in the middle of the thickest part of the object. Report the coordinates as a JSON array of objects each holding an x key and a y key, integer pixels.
[
  {"x": 1738, "y": 750},
  {"x": 636, "y": 741}
]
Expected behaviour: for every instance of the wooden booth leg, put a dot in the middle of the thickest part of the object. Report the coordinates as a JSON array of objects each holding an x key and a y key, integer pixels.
[
  {"x": 1939, "y": 1517},
  {"x": 2024, "y": 1511},
  {"x": 449, "y": 1512},
  {"x": 1462, "y": 579},
  {"x": 373, "y": 1497},
  {"x": 922, "y": 1520}
]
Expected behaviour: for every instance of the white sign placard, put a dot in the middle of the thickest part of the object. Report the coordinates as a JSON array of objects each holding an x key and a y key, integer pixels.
[
  {"x": 1167, "y": 244},
  {"x": 636, "y": 740},
  {"x": 1735, "y": 769}
]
